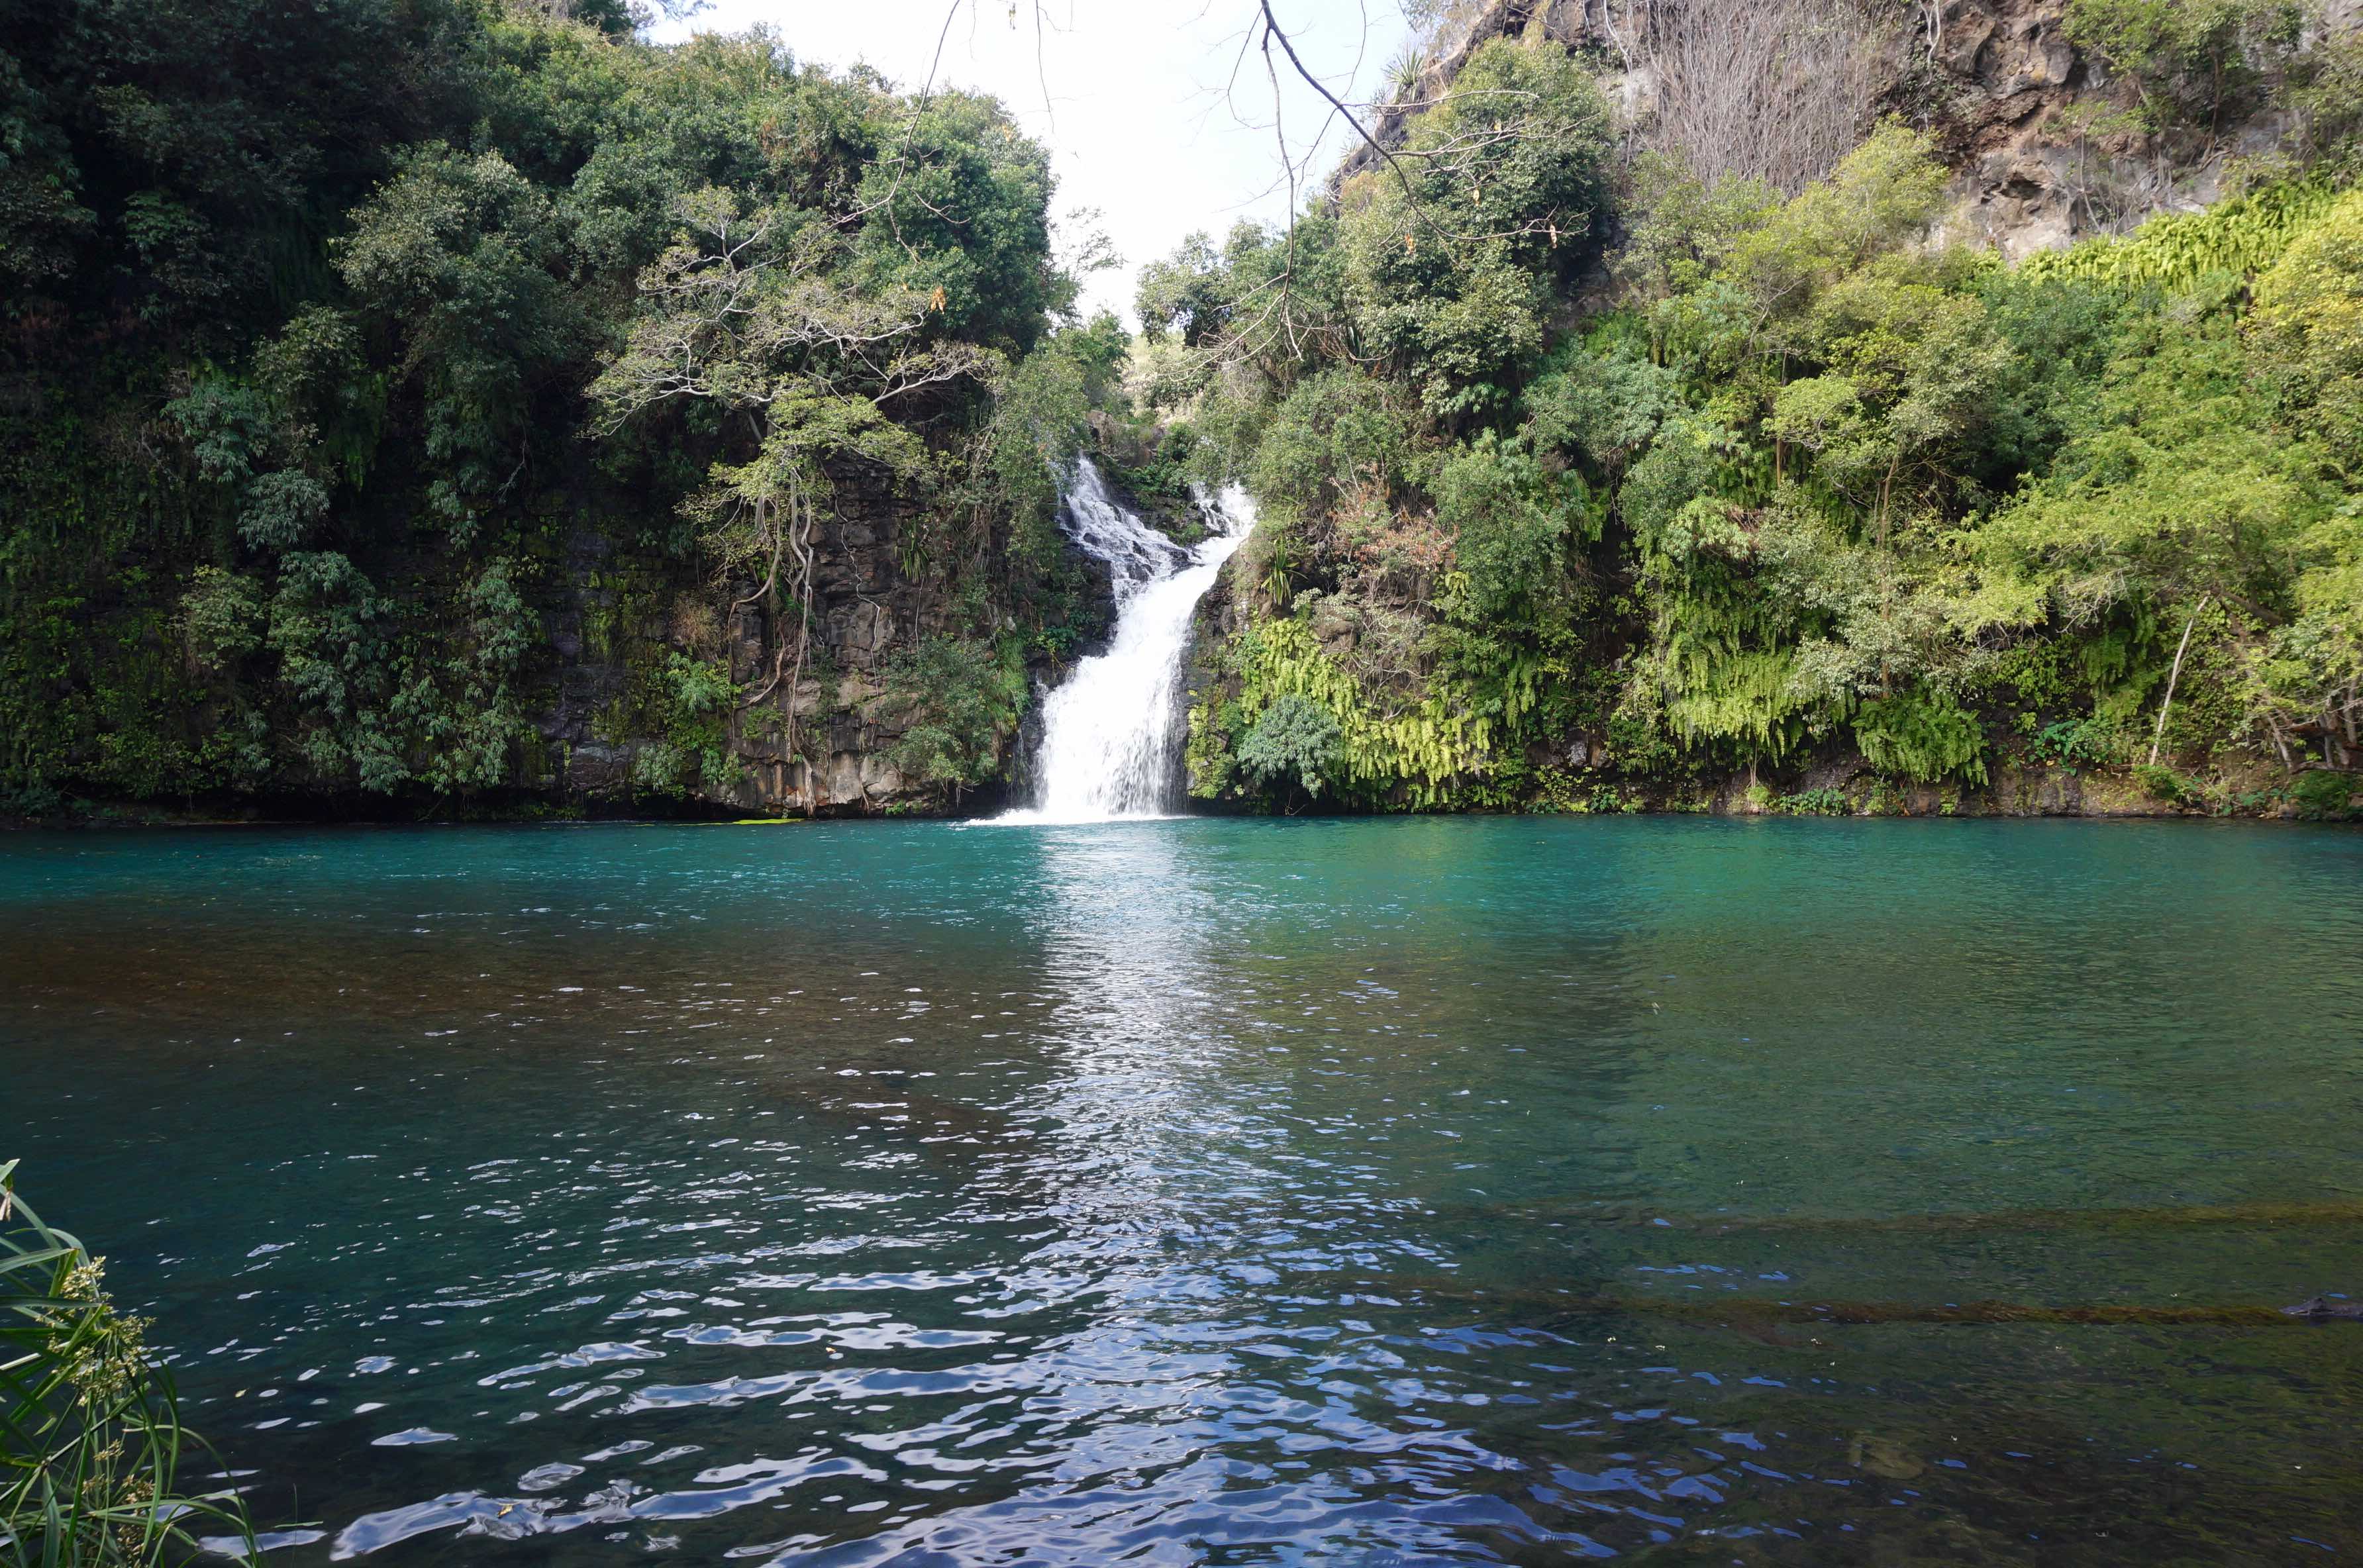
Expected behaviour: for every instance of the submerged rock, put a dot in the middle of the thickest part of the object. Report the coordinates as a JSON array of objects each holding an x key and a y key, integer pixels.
[{"x": 2323, "y": 1309}]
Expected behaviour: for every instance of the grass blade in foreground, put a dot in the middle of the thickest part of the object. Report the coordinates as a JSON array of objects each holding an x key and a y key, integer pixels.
[{"x": 90, "y": 1433}]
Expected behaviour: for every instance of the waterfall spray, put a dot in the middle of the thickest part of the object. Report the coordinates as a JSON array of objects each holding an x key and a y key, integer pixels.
[{"x": 1111, "y": 733}]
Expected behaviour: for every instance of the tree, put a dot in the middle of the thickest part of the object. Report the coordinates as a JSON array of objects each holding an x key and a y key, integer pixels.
[
  {"x": 465, "y": 254},
  {"x": 750, "y": 315}
]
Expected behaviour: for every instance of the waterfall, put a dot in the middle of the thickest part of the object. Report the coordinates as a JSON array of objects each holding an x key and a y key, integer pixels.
[{"x": 1111, "y": 733}]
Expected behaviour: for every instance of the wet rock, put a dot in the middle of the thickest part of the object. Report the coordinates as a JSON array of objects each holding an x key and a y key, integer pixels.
[
  {"x": 1885, "y": 1457},
  {"x": 2325, "y": 1310}
]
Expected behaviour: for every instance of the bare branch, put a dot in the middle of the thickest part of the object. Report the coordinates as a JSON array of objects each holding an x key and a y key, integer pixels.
[{"x": 1272, "y": 30}]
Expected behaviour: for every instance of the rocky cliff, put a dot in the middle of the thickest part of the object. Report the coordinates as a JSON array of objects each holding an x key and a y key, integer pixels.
[
  {"x": 2040, "y": 133},
  {"x": 845, "y": 719}
]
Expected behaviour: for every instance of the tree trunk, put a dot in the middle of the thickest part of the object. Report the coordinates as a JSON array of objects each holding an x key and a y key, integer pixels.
[{"x": 2172, "y": 676}]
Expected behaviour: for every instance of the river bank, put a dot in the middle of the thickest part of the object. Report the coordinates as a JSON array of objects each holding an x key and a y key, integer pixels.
[{"x": 1842, "y": 789}]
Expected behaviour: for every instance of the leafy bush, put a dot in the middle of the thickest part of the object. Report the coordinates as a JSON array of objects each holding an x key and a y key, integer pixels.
[
  {"x": 1294, "y": 741},
  {"x": 1339, "y": 432},
  {"x": 2165, "y": 784},
  {"x": 222, "y": 615},
  {"x": 2078, "y": 743},
  {"x": 2193, "y": 62},
  {"x": 282, "y": 507},
  {"x": 2323, "y": 795},
  {"x": 1509, "y": 523},
  {"x": 962, "y": 698}
]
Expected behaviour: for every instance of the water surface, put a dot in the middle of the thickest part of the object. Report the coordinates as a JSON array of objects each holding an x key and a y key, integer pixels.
[{"x": 1224, "y": 1192}]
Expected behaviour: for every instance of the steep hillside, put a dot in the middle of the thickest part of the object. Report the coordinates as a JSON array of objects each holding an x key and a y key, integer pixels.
[
  {"x": 436, "y": 407},
  {"x": 1616, "y": 454}
]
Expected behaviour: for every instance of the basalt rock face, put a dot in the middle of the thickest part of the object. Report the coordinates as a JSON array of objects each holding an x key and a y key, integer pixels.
[
  {"x": 2022, "y": 116},
  {"x": 1996, "y": 78},
  {"x": 821, "y": 746},
  {"x": 2016, "y": 109}
]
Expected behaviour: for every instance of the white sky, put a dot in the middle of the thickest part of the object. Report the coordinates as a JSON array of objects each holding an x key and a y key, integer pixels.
[{"x": 1137, "y": 121}]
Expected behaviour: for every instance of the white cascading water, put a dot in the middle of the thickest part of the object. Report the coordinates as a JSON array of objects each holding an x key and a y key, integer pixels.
[{"x": 1111, "y": 733}]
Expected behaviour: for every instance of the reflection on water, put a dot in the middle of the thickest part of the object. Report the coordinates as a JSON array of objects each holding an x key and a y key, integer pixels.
[{"x": 1224, "y": 1192}]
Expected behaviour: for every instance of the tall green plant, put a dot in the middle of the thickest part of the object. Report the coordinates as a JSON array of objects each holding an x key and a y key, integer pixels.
[{"x": 90, "y": 1439}]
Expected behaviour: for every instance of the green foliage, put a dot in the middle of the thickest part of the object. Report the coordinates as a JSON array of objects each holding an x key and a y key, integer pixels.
[
  {"x": 1447, "y": 268},
  {"x": 1921, "y": 735},
  {"x": 1339, "y": 439},
  {"x": 298, "y": 480},
  {"x": 2238, "y": 237},
  {"x": 2324, "y": 796},
  {"x": 223, "y": 617},
  {"x": 962, "y": 699},
  {"x": 1602, "y": 406},
  {"x": 2165, "y": 784},
  {"x": 2193, "y": 62},
  {"x": 1422, "y": 748},
  {"x": 2176, "y": 487},
  {"x": 685, "y": 706},
  {"x": 1815, "y": 481},
  {"x": 2076, "y": 743},
  {"x": 1880, "y": 195},
  {"x": 1294, "y": 742},
  {"x": 1510, "y": 522},
  {"x": 962, "y": 207},
  {"x": 91, "y": 1441},
  {"x": 2308, "y": 328},
  {"x": 464, "y": 252},
  {"x": 1189, "y": 294}
]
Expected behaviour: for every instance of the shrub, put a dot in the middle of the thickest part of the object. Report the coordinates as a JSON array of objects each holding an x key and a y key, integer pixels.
[
  {"x": 2324, "y": 796},
  {"x": 963, "y": 697},
  {"x": 2165, "y": 784},
  {"x": 2078, "y": 743},
  {"x": 89, "y": 1432},
  {"x": 222, "y": 617},
  {"x": 1509, "y": 529},
  {"x": 1294, "y": 741},
  {"x": 281, "y": 509}
]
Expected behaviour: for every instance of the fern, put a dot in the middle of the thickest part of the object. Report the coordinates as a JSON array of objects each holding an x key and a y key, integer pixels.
[
  {"x": 1916, "y": 735},
  {"x": 2174, "y": 250},
  {"x": 1425, "y": 749}
]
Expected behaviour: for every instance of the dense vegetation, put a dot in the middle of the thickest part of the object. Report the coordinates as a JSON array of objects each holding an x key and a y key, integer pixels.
[
  {"x": 403, "y": 403},
  {"x": 358, "y": 353},
  {"x": 1775, "y": 484}
]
